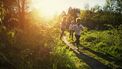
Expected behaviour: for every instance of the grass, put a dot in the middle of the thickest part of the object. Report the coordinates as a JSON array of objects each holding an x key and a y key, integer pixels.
[
  {"x": 36, "y": 50},
  {"x": 66, "y": 57},
  {"x": 107, "y": 42}
]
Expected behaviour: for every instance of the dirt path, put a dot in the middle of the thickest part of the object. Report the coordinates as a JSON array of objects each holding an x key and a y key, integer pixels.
[{"x": 93, "y": 63}]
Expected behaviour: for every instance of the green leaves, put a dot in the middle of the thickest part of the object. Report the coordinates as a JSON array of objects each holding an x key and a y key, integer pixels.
[{"x": 108, "y": 41}]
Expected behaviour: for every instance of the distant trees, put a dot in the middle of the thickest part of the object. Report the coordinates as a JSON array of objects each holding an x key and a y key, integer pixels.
[
  {"x": 96, "y": 8},
  {"x": 99, "y": 17},
  {"x": 113, "y": 6},
  {"x": 87, "y": 7},
  {"x": 73, "y": 12},
  {"x": 14, "y": 10}
]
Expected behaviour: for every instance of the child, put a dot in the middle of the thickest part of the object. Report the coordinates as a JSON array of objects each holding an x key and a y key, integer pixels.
[
  {"x": 63, "y": 26},
  {"x": 71, "y": 28},
  {"x": 78, "y": 28}
]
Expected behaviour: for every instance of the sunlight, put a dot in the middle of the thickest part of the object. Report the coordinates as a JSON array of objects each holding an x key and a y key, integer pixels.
[
  {"x": 47, "y": 8},
  {"x": 50, "y": 8}
]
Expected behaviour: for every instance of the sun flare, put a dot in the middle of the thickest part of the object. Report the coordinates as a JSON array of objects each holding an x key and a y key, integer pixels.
[
  {"x": 50, "y": 8},
  {"x": 47, "y": 8}
]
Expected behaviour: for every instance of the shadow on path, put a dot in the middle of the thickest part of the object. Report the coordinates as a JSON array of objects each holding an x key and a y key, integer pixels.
[
  {"x": 93, "y": 63},
  {"x": 107, "y": 57}
]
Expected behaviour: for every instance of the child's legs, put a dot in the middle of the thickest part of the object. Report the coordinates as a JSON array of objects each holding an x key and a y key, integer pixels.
[
  {"x": 62, "y": 33},
  {"x": 77, "y": 39},
  {"x": 72, "y": 34}
]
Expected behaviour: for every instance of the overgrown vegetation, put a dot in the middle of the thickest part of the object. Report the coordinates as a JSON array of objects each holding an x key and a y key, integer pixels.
[
  {"x": 30, "y": 43},
  {"x": 107, "y": 42}
]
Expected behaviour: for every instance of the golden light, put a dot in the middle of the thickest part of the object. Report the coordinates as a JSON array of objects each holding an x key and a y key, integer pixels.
[{"x": 48, "y": 8}]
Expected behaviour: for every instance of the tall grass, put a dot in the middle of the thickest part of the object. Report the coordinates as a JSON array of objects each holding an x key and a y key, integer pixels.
[
  {"x": 66, "y": 59},
  {"x": 107, "y": 41},
  {"x": 35, "y": 48}
]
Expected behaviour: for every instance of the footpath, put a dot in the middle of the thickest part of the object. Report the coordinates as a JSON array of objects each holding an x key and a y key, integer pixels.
[{"x": 81, "y": 54}]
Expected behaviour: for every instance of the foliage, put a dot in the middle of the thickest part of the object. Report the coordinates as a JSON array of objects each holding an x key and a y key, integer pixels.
[
  {"x": 30, "y": 43},
  {"x": 108, "y": 42},
  {"x": 67, "y": 58},
  {"x": 35, "y": 47}
]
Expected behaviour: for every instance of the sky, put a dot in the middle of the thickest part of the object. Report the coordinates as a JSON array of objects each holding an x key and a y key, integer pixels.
[
  {"x": 68, "y": 3},
  {"x": 51, "y": 7},
  {"x": 82, "y": 3}
]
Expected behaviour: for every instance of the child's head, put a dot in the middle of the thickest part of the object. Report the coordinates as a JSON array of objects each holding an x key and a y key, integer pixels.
[
  {"x": 78, "y": 20},
  {"x": 73, "y": 21},
  {"x": 64, "y": 18}
]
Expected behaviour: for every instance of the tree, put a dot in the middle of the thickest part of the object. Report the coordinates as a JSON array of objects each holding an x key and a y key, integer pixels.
[
  {"x": 86, "y": 6},
  {"x": 1, "y": 12},
  {"x": 119, "y": 6},
  {"x": 22, "y": 9},
  {"x": 16, "y": 9},
  {"x": 113, "y": 6},
  {"x": 96, "y": 8}
]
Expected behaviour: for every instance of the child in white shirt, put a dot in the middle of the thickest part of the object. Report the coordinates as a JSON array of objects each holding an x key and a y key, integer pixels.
[{"x": 78, "y": 29}]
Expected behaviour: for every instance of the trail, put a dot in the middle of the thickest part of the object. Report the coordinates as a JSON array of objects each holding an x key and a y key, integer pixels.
[{"x": 93, "y": 63}]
